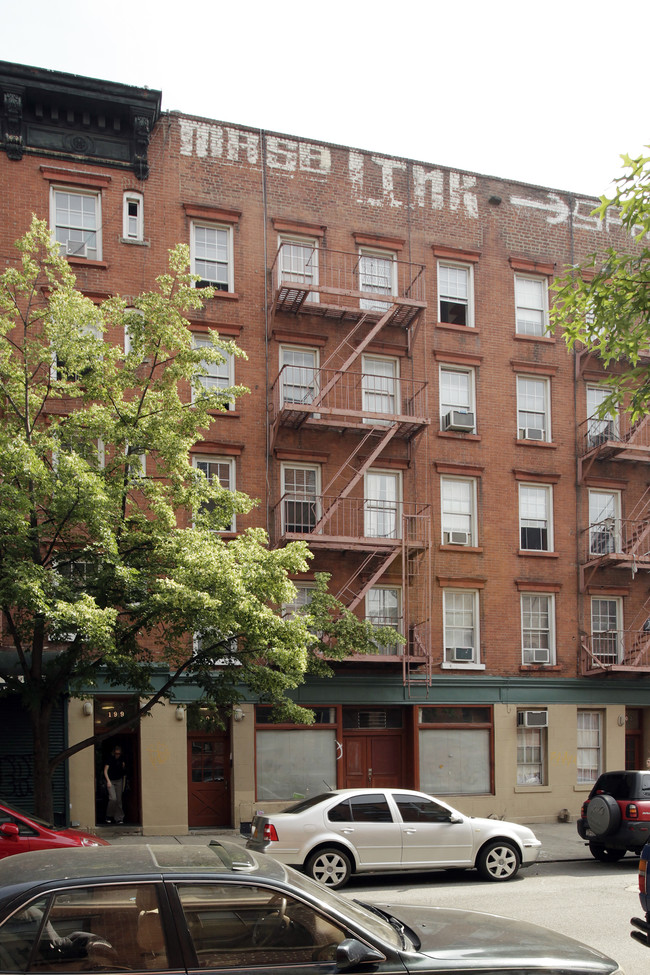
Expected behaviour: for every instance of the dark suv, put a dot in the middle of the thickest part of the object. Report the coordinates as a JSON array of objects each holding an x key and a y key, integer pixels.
[{"x": 616, "y": 816}]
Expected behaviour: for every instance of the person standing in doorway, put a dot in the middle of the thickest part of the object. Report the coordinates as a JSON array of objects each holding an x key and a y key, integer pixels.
[{"x": 115, "y": 775}]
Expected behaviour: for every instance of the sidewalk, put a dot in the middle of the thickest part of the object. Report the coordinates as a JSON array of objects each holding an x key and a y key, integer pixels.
[{"x": 560, "y": 841}]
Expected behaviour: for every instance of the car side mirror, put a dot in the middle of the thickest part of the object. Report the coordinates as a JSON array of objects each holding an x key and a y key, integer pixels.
[
  {"x": 351, "y": 953},
  {"x": 10, "y": 830},
  {"x": 455, "y": 819}
]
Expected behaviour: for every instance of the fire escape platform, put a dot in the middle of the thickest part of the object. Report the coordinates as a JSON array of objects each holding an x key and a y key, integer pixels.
[
  {"x": 292, "y": 300},
  {"x": 294, "y": 416}
]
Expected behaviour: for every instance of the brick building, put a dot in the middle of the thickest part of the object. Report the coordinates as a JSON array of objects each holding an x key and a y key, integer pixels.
[{"x": 409, "y": 416}]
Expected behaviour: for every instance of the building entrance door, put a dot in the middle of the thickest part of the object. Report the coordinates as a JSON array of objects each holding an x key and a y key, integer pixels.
[
  {"x": 372, "y": 758},
  {"x": 208, "y": 770}
]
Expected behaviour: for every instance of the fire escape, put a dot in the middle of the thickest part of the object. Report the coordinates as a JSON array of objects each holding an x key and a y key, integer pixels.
[
  {"x": 613, "y": 542},
  {"x": 370, "y": 411}
]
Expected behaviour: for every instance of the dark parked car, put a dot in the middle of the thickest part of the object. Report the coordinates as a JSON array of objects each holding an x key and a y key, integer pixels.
[
  {"x": 20, "y": 832},
  {"x": 187, "y": 908},
  {"x": 642, "y": 934},
  {"x": 616, "y": 816}
]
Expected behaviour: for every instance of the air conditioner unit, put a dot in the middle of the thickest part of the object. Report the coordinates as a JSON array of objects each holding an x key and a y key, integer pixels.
[
  {"x": 532, "y": 719},
  {"x": 457, "y": 420},
  {"x": 532, "y": 433},
  {"x": 76, "y": 248},
  {"x": 456, "y": 538},
  {"x": 462, "y": 654},
  {"x": 541, "y": 656}
]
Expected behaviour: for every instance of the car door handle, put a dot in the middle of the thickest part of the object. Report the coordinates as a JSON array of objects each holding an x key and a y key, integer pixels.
[
  {"x": 348, "y": 829},
  {"x": 409, "y": 830}
]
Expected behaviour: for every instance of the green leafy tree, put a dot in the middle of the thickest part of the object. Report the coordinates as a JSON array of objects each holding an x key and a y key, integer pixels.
[
  {"x": 604, "y": 303},
  {"x": 107, "y": 568}
]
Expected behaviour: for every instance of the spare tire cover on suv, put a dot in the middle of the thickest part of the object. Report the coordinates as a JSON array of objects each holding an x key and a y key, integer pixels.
[{"x": 603, "y": 815}]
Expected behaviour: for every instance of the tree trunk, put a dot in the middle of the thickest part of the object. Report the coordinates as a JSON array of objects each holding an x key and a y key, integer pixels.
[{"x": 40, "y": 724}]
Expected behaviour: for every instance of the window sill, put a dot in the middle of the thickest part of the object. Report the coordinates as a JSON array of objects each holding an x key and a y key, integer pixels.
[
  {"x": 235, "y": 414},
  {"x": 132, "y": 240},
  {"x": 448, "y": 665},
  {"x": 525, "y": 668},
  {"x": 532, "y": 788},
  {"x": 85, "y": 262},
  {"x": 536, "y": 443},
  {"x": 458, "y": 435},
  {"x": 538, "y": 555},
  {"x": 225, "y": 295},
  {"x": 475, "y": 549},
  {"x": 456, "y": 328},
  {"x": 546, "y": 339}
]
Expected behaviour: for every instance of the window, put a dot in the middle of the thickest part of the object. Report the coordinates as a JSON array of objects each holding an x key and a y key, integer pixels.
[
  {"x": 73, "y": 364},
  {"x": 76, "y": 219},
  {"x": 455, "y": 749},
  {"x": 211, "y": 256},
  {"x": 372, "y": 808},
  {"x": 607, "y": 630},
  {"x": 132, "y": 216},
  {"x": 380, "y": 384},
  {"x": 382, "y": 505},
  {"x": 301, "y": 498},
  {"x": 531, "y": 300},
  {"x": 377, "y": 275},
  {"x": 458, "y": 503},
  {"x": 455, "y": 294},
  {"x": 299, "y": 374},
  {"x": 384, "y": 608},
  {"x": 604, "y": 522},
  {"x": 298, "y": 263},
  {"x": 457, "y": 399},
  {"x": 215, "y": 375},
  {"x": 294, "y": 762},
  {"x": 600, "y": 428},
  {"x": 131, "y": 327},
  {"x": 136, "y": 460},
  {"x": 533, "y": 415},
  {"x": 219, "y": 470},
  {"x": 535, "y": 527},
  {"x": 589, "y": 759},
  {"x": 531, "y": 756},
  {"x": 461, "y": 626},
  {"x": 537, "y": 628}
]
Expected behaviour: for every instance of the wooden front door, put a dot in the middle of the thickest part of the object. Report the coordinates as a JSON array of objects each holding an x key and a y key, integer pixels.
[
  {"x": 373, "y": 759},
  {"x": 208, "y": 770}
]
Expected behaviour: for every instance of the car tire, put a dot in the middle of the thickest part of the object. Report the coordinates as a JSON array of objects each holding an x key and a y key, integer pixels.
[
  {"x": 498, "y": 861},
  {"x": 329, "y": 866},
  {"x": 603, "y": 815},
  {"x": 605, "y": 853}
]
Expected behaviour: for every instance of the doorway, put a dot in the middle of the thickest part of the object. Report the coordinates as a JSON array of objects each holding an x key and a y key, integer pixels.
[
  {"x": 108, "y": 712},
  {"x": 208, "y": 773},
  {"x": 373, "y": 748}
]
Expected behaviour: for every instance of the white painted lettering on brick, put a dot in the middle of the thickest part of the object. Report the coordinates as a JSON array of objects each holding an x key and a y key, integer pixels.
[
  {"x": 281, "y": 153},
  {"x": 432, "y": 177},
  {"x": 314, "y": 158},
  {"x": 355, "y": 169},
  {"x": 612, "y": 218},
  {"x": 238, "y": 140},
  {"x": 388, "y": 167},
  {"x": 584, "y": 218},
  {"x": 459, "y": 187},
  {"x": 200, "y": 138},
  {"x": 558, "y": 211}
]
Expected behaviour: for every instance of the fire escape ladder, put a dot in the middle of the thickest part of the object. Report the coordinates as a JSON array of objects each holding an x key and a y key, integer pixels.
[
  {"x": 641, "y": 510},
  {"x": 357, "y": 473},
  {"x": 345, "y": 345},
  {"x": 385, "y": 559}
]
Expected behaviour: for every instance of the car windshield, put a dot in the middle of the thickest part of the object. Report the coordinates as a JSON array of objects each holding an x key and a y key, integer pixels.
[
  {"x": 30, "y": 816},
  {"x": 299, "y": 807},
  {"x": 354, "y": 911}
]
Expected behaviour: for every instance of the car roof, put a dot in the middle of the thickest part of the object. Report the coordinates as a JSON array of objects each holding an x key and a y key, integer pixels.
[{"x": 125, "y": 864}]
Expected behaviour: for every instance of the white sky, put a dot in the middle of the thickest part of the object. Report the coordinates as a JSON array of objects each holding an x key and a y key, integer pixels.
[{"x": 548, "y": 93}]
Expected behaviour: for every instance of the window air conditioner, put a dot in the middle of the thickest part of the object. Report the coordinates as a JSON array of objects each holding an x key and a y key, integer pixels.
[
  {"x": 457, "y": 420},
  {"x": 76, "y": 248},
  {"x": 541, "y": 655},
  {"x": 462, "y": 654},
  {"x": 456, "y": 538},
  {"x": 533, "y": 433},
  {"x": 532, "y": 719}
]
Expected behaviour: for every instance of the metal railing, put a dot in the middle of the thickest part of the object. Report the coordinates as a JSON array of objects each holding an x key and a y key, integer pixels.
[
  {"x": 617, "y": 648},
  {"x": 629, "y": 538},
  {"x": 369, "y": 521},
  {"x": 618, "y": 432}
]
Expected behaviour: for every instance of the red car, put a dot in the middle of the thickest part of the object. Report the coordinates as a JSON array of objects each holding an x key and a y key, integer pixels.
[{"x": 21, "y": 832}]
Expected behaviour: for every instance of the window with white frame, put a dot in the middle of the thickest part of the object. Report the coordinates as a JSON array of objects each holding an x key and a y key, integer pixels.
[
  {"x": 607, "y": 629},
  {"x": 136, "y": 459},
  {"x": 531, "y": 756},
  {"x": 215, "y": 375},
  {"x": 461, "y": 626},
  {"x": 300, "y": 498},
  {"x": 75, "y": 216},
  {"x": 604, "y": 521},
  {"x": 384, "y": 608},
  {"x": 538, "y": 628},
  {"x": 380, "y": 384},
  {"x": 383, "y": 504},
  {"x": 458, "y": 504},
  {"x": 533, "y": 413},
  {"x": 456, "y": 293},
  {"x": 211, "y": 256},
  {"x": 298, "y": 263},
  {"x": 129, "y": 314},
  {"x": 531, "y": 300},
  {"x": 535, "y": 521},
  {"x": 301, "y": 601},
  {"x": 298, "y": 374},
  {"x": 457, "y": 399},
  {"x": 133, "y": 216},
  {"x": 218, "y": 470},
  {"x": 64, "y": 368},
  {"x": 590, "y": 757},
  {"x": 601, "y": 427},
  {"x": 377, "y": 275}
]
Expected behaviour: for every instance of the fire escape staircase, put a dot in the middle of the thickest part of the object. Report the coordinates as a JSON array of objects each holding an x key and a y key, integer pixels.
[
  {"x": 625, "y": 543},
  {"x": 606, "y": 444}
]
